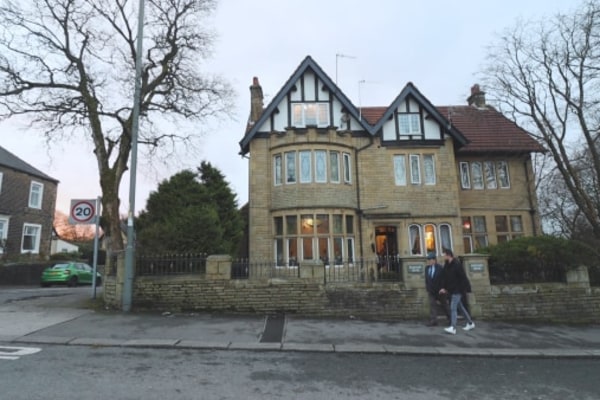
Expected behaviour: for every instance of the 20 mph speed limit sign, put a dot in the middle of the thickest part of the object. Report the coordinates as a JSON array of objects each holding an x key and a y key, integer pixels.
[{"x": 83, "y": 212}]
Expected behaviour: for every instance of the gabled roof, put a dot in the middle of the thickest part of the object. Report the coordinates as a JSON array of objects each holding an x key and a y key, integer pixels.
[
  {"x": 9, "y": 160},
  {"x": 489, "y": 131},
  {"x": 474, "y": 129},
  {"x": 307, "y": 64},
  {"x": 411, "y": 91}
]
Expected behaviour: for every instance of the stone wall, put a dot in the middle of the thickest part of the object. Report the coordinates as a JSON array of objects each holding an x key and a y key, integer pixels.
[{"x": 574, "y": 301}]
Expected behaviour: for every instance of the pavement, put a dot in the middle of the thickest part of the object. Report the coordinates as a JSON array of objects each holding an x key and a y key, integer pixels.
[{"x": 72, "y": 324}]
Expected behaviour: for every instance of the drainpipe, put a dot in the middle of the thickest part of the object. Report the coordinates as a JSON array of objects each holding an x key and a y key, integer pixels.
[
  {"x": 532, "y": 211},
  {"x": 359, "y": 213}
]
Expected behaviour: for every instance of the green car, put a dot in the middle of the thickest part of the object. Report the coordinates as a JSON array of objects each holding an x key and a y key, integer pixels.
[{"x": 69, "y": 273}]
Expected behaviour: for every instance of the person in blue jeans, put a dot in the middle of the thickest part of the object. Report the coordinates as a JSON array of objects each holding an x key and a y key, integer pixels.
[{"x": 454, "y": 283}]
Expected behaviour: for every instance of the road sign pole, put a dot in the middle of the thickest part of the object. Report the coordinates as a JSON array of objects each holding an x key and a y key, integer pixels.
[{"x": 95, "y": 262}]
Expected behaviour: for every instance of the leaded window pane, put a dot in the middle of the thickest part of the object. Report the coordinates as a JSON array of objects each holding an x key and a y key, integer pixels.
[
  {"x": 415, "y": 170},
  {"x": 414, "y": 232},
  {"x": 334, "y": 167},
  {"x": 490, "y": 175},
  {"x": 400, "y": 170},
  {"x": 307, "y": 224},
  {"x": 322, "y": 223},
  {"x": 291, "y": 222},
  {"x": 516, "y": 223},
  {"x": 429, "y": 169},
  {"x": 338, "y": 224},
  {"x": 278, "y": 225},
  {"x": 290, "y": 167},
  {"x": 465, "y": 178},
  {"x": 477, "y": 175},
  {"x": 277, "y": 169},
  {"x": 305, "y": 169},
  {"x": 321, "y": 166},
  {"x": 503, "y": 176}
]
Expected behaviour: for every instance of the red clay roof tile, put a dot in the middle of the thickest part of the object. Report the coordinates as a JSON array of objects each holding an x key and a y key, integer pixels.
[{"x": 485, "y": 128}]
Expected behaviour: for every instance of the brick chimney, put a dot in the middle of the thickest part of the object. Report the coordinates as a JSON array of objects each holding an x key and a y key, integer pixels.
[
  {"x": 256, "y": 101},
  {"x": 477, "y": 97}
]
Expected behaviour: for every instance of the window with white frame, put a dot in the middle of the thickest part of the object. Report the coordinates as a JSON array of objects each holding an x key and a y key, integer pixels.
[
  {"x": 3, "y": 232},
  {"x": 320, "y": 166},
  {"x": 416, "y": 162},
  {"x": 415, "y": 169},
  {"x": 305, "y": 166},
  {"x": 277, "y": 169},
  {"x": 465, "y": 176},
  {"x": 428, "y": 238},
  {"x": 314, "y": 236},
  {"x": 400, "y": 169},
  {"x": 409, "y": 124},
  {"x": 474, "y": 233},
  {"x": 31, "y": 238},
  {"x": 347, "y": 171},
  {"x": 415, "y": 239},
  {"x": 445, "y": 237},
  {"x": 310, "y": 114},
  {"x": 484, "y": 174},
  {"x": 290, "y": 167},
  {"x": 508, "y": 227},
  {"x": 36, "y": 193}
]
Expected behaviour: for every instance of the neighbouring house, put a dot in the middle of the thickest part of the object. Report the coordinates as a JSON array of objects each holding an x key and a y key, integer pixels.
[
  {"x": 27, "y": 203},
  {"x": 60, "y": 245},
  {"x": 334, "y": 182}
]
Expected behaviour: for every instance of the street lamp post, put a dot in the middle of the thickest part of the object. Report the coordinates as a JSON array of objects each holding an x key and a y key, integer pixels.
[{"x": 130, "y": 249}]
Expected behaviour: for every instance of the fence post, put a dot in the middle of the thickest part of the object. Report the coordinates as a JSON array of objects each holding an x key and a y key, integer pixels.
[
  {"x": 578, "y": 277},
  {"x": 218, "y": 267}
]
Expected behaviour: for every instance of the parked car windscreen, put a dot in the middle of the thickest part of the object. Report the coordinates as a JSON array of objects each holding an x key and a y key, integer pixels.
[{"x": 60, "y": 266}]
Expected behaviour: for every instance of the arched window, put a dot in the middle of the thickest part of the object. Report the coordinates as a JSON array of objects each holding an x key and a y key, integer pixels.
[
  {"x": 414, "y": 235},
  {"x": 430, "y": 241},
  {"x": 445, "y": 236}
]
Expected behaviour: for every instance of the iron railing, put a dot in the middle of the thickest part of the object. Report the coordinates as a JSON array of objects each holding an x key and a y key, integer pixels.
[
  {"x": 170, "y": 264},
  {"x": 335, "y": 271}
]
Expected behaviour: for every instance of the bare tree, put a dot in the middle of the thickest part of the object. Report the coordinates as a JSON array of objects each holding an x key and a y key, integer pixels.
[
  {"x": 546, "y": 76},
  {"x": 68, "y": 66},
  {"x": 73, "y": 233}
]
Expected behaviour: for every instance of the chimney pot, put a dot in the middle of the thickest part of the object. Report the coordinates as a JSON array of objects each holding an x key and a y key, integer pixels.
[
  {"x": 256, "y": 101},
  {"x": 477, "y": 97}
]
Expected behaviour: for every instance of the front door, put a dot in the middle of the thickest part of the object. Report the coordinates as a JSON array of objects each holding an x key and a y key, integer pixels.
[{"x": 386, "y": 245}]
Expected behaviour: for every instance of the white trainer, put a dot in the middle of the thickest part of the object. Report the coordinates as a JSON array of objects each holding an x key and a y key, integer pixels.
[
  {"x": 451, "y": 330},
  {"x": 469, "y": 326}
]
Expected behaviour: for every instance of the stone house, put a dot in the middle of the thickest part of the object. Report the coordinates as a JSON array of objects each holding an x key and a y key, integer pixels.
[
  {"x": 331, "y": 182},
  {"x": 27, "y": 204}
]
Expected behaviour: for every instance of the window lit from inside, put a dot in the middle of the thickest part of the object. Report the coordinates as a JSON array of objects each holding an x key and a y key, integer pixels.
[{"x": 328, "y": 238}]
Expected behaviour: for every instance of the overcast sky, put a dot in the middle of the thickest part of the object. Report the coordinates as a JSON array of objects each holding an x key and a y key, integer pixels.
[{"x": 439, "y": 45}]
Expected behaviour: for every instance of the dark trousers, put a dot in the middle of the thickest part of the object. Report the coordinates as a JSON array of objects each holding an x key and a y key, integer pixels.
[{"x": 434, "y": 299}]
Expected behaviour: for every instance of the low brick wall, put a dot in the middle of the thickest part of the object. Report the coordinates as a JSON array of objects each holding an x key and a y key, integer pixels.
[
  {"x": 188, "y": 293},
  {"x": 574, "y": 301},
  {"x": 541, "y": 303}
]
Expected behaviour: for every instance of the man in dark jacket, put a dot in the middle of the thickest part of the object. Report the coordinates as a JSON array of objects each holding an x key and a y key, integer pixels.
[
  {"x": 454, "y": 282},
  {"x": 433, "y": 276}
]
